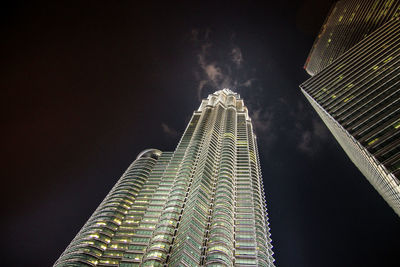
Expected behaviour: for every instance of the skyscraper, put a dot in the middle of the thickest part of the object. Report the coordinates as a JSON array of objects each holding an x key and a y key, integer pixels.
[
  {"x": 201, "y": 205},
  {"x": 348, "y": 22},
  {"x": 358, "y": 98}
]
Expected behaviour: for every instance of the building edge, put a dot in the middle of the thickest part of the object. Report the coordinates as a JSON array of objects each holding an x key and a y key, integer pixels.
[{"x": 376, "y": 173}]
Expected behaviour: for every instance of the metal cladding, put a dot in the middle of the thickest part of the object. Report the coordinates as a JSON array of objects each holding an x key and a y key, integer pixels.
[
  {"x": 358, "y": 98},
  {"x": 348, "y": 22},
  {"x": 201, "y": 205}
]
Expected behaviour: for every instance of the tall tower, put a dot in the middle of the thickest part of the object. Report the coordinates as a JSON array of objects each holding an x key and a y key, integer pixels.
[
  {"x": 348, "y": 22},
  {"x": 358, "y": 98},
  {"x": 201, "y": 205}
]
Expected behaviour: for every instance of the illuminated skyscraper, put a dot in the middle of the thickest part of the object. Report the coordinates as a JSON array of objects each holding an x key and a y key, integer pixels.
[
  {"x": 358, "y": 98},
  {"x": 201, "y": 205},
  {"x": 348, "y": 22}
]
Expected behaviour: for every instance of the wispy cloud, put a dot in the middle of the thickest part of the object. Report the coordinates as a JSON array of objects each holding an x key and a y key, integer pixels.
[
  {"x": 217, "y": 65},
  {"x": 211, "y": 72},
  {"x": 262, "y": 119},
  {"x": 237, "y": 57},
  {"x": 305, "y": 144},
  {"x": 169, "y": 131},
  {"x": 311, "y": 137},
  {"x": 247, "y": 83},
  {"x": 221, "y": 63}
]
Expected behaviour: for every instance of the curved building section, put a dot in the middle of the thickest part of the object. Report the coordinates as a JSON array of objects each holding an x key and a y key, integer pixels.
[
  {"x": 92, "y": 241},
  {"x": 348, "y": 22},
  {"x": 150, "y": 153},
  {"x": 201, "y": 205}
]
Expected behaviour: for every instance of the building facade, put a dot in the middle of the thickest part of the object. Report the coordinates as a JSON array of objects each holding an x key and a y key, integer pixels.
[
  {"x": 201, "y": 205},
  {"x": 358, "y": 98},
  {"x": 348, "y": 22}
]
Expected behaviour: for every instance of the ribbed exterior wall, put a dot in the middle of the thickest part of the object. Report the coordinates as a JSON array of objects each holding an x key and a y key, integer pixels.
[
  {"x": 202, "y": 205},
  {"x": 358, "y": 97},
  {"x": 348, "y": 22},
  {"x": 106, "y": 226}
]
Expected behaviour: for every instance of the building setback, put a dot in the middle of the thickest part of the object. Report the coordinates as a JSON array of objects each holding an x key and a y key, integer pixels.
[
  {"x": 358, "y": 98},
  {"x": 348, "y": 22},
  {"x": 201, "y": 205}
]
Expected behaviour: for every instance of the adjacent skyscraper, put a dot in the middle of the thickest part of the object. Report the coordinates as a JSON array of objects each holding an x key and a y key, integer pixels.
[
  {"x": 348, "y": 22},
  {"x": 201, "y": 205},
  {"x": 358, "y": 98}
]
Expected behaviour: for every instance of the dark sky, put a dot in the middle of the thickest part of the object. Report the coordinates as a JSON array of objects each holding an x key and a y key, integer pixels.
[{"x": 87, "y": 85}]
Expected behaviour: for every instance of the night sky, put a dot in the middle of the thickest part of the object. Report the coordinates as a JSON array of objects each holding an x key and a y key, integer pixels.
[{"x": 87, "y": 85}]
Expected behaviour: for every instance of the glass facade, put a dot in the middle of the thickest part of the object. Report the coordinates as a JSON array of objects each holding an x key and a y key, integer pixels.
[
  {"x": 348, "y": 22},
  {"x": 358, "y": 98},
  {"x": 201, "y": 205}
]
